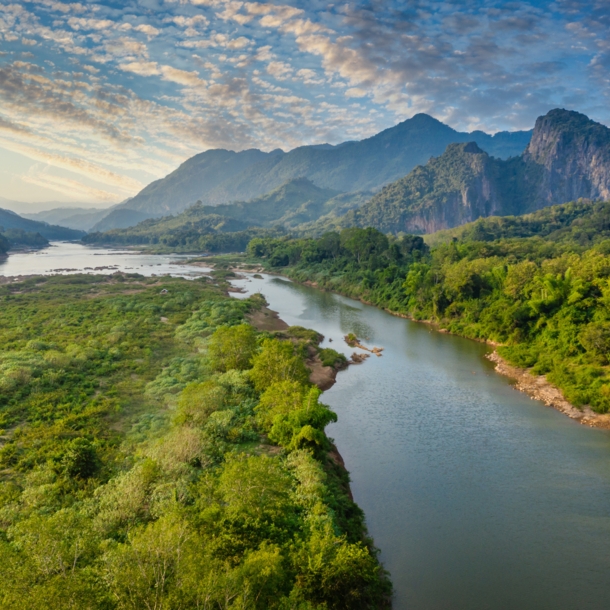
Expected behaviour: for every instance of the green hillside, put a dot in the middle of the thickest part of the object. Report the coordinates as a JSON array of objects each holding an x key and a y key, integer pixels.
[
  {"x": 229, "y": 227},
  {"x": 582, "y": 222}
]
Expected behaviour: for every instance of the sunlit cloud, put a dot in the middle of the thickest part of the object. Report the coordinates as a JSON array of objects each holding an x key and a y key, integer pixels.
[{"x": 120, "y": 96}]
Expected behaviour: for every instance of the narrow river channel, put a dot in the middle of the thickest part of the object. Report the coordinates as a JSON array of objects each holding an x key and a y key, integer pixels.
[{"x": 477, "y": 496}]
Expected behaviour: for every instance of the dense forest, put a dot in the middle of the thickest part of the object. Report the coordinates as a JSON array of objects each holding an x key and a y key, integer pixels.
[
  {"x": 18, "y": 238},
  {"x": 157, "y": 451},
  {"x": 539, "y": 285}
]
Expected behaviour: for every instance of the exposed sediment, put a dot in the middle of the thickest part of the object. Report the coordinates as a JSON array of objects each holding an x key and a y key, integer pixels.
[{"x": 538, "y": 388}]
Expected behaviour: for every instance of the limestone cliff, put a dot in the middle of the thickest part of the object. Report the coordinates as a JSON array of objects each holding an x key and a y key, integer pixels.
[
  {"x": 574, "y": 154},
  {"x": 568, "y": 158},
  {"x": 458, "y": 187}
]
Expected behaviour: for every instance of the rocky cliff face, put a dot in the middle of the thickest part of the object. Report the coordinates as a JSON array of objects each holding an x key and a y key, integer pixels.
[
  {"x": 458, "y": 187},
  {"x": 568, "y": 158},
  {"x": 574, "y": 154}
]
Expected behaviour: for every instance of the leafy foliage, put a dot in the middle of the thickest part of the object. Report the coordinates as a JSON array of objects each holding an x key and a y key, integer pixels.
[
  {"x": 147, "y": 463},
  {"x": 539, "y": 285}
]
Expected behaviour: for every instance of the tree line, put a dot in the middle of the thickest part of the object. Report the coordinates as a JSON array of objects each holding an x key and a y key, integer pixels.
[{"x": 545, "y": 297}]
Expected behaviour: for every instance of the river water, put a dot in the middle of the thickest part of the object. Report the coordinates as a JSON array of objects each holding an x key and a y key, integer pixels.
[
  {"x": 71, "y": 257},
  {"x": 478, "y": 497}
]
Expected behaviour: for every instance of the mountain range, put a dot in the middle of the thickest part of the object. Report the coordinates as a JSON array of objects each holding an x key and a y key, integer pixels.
[
  {"x": 217, "y": 177},
  {"x": 568, "y": 158},
  {"x": 81, "y": 219}
]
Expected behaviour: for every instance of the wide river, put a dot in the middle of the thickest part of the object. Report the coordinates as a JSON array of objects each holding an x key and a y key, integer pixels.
[{"x": 478, "y": 497}]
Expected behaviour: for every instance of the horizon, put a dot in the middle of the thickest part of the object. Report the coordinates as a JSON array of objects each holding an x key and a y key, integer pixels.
[{"x": 100, "y": 100}]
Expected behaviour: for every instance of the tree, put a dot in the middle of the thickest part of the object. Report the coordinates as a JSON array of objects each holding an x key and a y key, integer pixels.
[
  {"x": 232, "y": 347},
  {"x": 277, "y": 362},
  {"x": 280, "y": 398},
  {"x": 80, "y": 460},
  {"x": 256, "y": 487},
  {"x": 198, "y": 400}
]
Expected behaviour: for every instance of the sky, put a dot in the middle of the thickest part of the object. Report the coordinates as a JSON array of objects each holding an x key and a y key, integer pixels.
[{"x": 98, "y": 99}]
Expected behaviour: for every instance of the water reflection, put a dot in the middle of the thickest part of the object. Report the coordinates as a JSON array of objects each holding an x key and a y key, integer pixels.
[{"x": 69, "y": 258}]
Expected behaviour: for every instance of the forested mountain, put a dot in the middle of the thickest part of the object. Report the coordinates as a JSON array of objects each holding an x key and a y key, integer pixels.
[
  {"x": 580, "y": 223},
  {"x": 119, "y": 218},
  {"x": 221, "y": 176},
  {"x": 567, "y": 158},
  {"x": 296, "y": 202},
  {"x": 10, "y": 220}
]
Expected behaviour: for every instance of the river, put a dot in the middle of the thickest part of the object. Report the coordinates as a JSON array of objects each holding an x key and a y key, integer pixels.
[{"x": 478, "y": 497}]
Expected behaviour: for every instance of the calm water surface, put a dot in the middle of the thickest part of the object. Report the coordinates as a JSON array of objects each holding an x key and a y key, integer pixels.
[
  {"x": 70, "y": 257},
  {"x": 478, "y": 497}
]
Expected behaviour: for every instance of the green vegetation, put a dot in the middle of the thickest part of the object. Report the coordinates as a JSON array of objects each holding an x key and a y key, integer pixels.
[
  {"x": 158, "y": 452},
  {"x": 205, "y": 235},
  {"x": 579, "y": 223},
  {"x": 539, "y": 285},
  {"x": 18, "y": 238},
  {"x": 229, "y": 227}
]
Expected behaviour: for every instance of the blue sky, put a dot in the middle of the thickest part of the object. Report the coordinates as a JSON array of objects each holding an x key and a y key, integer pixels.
[{"x": 97, "y": 99}]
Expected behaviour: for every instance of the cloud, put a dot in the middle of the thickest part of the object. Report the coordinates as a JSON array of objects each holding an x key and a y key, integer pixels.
[
  {"x": 147, "y": 29},
  {"x": 68, "y": 188},
  {"x": 136, "y": 87},
  {"x": 279, "y": 70},
  {"x": 80, "y": 23}
]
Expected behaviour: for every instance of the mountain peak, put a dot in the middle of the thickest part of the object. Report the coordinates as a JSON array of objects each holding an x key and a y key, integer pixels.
[
  {"x": 575, "y": 154},
  {"x": 464, "y": 147}
]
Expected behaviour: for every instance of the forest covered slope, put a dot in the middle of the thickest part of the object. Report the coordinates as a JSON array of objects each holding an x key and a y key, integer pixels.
[
  {"x": 568, "y": 158},
  {"x": 221, "y": 176}
]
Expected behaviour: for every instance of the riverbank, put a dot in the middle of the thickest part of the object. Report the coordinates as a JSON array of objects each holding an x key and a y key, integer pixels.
[
  {"x": 535, "y": 386},
  {"x": 538, "y": 388},
  {"x": 265, "y": 319}
]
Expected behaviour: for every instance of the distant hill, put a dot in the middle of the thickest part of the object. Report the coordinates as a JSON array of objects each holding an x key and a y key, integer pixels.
[
  {"x": 81, "y": 219},
  {"x": 221, "y": 176},
  {"x": 295, "y": 202},
  {"x": 118, "y": 218},
  {"x": 10, "y": 220},
  {"x": 568, "y": 158}
]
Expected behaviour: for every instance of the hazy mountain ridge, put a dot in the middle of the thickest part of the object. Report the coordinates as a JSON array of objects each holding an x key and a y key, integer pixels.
[
  {"x": 220, "y": 176},
  {"x": 295, "y": 202},
  {"x": 11, "y": 220},
  {"x": 568, "y": 158},
  {"x": 81, "y": 219}
]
